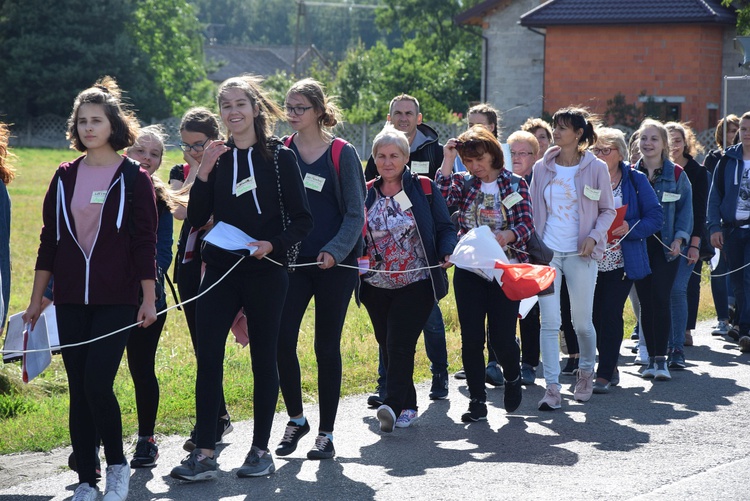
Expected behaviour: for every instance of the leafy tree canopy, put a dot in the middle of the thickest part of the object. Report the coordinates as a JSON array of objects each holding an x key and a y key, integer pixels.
[{"x": 55, "y": 49}]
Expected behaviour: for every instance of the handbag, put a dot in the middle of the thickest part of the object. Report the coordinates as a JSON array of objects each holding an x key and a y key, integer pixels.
[{"x": 292, "y": 253}]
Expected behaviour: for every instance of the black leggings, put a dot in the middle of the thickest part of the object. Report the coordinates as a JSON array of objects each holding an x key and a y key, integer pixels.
[
  {"x": 612, "y": 289},
  {"x": 91, "y": 368},
  {"x": 479, "y": 301},
  {"x": 188, "y": 283},
  {"x": 142, "y": 346},
  {"x": 332, "y": 290},
  {"x": 398, "y": 316},
  {"x": 654, "y": 294},
  {"x": 261, "y": 293}
]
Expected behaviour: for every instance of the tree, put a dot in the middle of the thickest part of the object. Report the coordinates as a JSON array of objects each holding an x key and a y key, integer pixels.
[
  {"x": 55, "y": 49},
  {"x": 743, "y": 15}
]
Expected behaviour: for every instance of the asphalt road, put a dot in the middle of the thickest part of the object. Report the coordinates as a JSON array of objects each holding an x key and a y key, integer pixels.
[{"x": 658, "y": 440}]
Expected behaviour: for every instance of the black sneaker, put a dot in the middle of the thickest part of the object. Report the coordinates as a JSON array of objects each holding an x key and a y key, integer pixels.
[
  {"x": 323, "y": 448},
  {"x": 377, "y": 398},
  {"x": 73, "y": 466},
  {"x": 292, "y": 434},
  {"x": 734, "y": 333},
  {"x": 512, "y": 397},
  {"x": 146, "y": 453},
  {"x": 477, "y": 412},
  {"x": 439, "y": 389},
  {"x": 189, "y": 444},
  {"x": 223, "y": 428},
  {"x": 571, "y": 366}
]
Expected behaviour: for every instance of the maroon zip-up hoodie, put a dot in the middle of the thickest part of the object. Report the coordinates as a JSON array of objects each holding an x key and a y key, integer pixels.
[{"x": 124, "y": 252}]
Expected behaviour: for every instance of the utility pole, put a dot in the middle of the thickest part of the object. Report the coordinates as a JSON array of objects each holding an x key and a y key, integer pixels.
[{"x": 301, "y": 5}]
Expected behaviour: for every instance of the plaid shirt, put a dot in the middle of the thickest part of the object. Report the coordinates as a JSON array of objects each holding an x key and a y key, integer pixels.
[{"x": 520, "y": 216}]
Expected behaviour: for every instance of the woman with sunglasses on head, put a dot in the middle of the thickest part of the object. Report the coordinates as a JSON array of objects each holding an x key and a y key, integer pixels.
[
  {"x": 573, "y": 209},
  {"x": 673, "y": 190},
  {"x": 335, "y": 187},
  {"x": 198, "y": 127},
  {"x": 683, "y": 146},
  {"x": 487, "y": 198},
  {"x": 252, "y": 183},
  {"x": 625, "y": 259}
]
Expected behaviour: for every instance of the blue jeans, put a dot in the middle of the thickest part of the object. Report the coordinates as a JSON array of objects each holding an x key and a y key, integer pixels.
[
  {"x": 737, "y": 246},
  {"x": 720, "y": 287},
  {"x": 679, "y": 307},
  {"x": 434, "y": 345}
]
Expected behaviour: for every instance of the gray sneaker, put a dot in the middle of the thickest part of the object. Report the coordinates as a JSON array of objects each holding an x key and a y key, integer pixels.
[
  {"x": 258, "y": 463},
  {"x": 722, "y": 328},
  {"x": 195, "y": 467}
]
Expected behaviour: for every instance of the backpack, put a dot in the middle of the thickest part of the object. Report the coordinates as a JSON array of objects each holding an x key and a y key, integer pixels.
[{"x": 337, "y": 145}]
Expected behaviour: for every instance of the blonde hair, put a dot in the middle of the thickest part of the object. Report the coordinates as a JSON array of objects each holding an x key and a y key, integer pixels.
[
  {"x": 527, "y": 137},
  {"x": 661, "y": 129},
  {"x": 614, "y": 137}
]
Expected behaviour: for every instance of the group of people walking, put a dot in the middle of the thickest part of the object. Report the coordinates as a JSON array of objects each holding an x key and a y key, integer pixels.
[{"x": 316, "y": 226}]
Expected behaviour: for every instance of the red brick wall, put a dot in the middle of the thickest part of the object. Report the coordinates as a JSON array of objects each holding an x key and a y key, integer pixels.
[{"x": 588, "y": 65}]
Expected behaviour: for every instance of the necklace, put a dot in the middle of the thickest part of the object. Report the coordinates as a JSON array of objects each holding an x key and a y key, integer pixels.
[{"x": 569, "y": 163}]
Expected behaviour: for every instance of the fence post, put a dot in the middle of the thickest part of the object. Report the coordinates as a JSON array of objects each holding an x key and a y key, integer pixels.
[{"x": 364, "y": 140}]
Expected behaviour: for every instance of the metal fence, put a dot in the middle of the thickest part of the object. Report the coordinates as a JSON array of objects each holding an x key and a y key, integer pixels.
[{"x": 48, "y": 131}]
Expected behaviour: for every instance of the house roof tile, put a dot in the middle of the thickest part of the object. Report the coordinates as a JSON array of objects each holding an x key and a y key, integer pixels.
[{"x": 584, "y": 12}]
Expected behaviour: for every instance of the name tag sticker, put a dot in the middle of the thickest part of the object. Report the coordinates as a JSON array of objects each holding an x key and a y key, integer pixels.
[
  {"x": 244, "y": 186},
  {"x": 98, "y": 197},
  {"x": 314, "y": 182},
  {"x": 591, "y": 193},
  {"x": 670, "y": 197},
  {"x": 512, "y": 200},
  {"x": 420, "y": 167},
  {"x": 403, "y": 200}
]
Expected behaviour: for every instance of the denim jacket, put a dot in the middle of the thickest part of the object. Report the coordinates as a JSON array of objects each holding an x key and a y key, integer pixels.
[
  {"x": 678, "y": 206},
  {"x": 644, "y": 216}
]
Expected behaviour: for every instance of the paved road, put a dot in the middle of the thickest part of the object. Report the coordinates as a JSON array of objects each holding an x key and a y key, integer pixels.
[{"x": 684, "y": 439}]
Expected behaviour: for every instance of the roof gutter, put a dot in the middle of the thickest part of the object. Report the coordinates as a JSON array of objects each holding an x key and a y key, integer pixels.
[{"x": 485, "y": 59}]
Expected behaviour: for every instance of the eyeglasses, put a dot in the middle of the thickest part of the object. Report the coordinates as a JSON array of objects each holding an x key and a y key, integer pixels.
[
  {"x": 520, "y": 154},
  {"x": 603, "y": 151},
  {"x": 195, "y": 147},
  {"x": 297, "y": 110}
]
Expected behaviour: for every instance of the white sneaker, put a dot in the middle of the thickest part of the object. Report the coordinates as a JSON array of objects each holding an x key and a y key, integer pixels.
[
  {"x": 387, "y": 418},
  {"x": 84, "y": 492},
  {"x": 406, "y": 418},
  {"x": 118, "y": 480},
  {"x": 642, "y": 357}
]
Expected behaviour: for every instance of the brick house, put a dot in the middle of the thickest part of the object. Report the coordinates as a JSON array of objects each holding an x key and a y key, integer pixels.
[{"x": 671, "y": 54}]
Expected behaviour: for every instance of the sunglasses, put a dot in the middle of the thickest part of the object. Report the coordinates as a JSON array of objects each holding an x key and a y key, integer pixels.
[{"x": 471, "y": 143}]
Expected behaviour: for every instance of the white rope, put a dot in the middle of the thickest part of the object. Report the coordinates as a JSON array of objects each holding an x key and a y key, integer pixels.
[
  {"x": 695, "y": 272},
  {"x": 103, "y": 336}
]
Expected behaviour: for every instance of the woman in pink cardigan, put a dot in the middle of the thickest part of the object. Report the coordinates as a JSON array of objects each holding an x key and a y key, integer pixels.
[{"x": 573, "y": 209}]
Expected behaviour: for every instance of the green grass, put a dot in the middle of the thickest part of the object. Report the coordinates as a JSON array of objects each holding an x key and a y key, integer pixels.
[{"x": 33, "y": 417}]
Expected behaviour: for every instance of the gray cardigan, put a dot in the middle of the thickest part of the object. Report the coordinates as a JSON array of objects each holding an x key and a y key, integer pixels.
[{"x": 350, "y": 190}]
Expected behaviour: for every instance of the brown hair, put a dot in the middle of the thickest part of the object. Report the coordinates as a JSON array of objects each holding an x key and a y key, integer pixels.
[
  {"x": 534, "y": 124},
  {"x": 578, "y": 119},
  {"x": 201, "y": 120},
  {"x": 479, "y": 140},
  {"x": 268, "y": 111},
  {"x": 106, "y": 93},
  {"x": 692, "y": 146},
  {"x": 403, "y": 97},
  {"x": 7, "y": 173},
  {"x": 324, "y": 105},
  {"x": 493, "y": 116},
  {"x": 719, "y": 134}
]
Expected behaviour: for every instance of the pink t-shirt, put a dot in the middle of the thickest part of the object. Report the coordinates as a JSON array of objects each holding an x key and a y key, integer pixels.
[{"x": 91, "y": 188}]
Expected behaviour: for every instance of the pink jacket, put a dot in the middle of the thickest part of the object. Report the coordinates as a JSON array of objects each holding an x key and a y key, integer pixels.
[{"x": 595, "y": 217}]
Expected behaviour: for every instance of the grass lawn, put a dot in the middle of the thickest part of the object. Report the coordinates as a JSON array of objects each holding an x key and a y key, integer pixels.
[{"x": 33, "y": 417}]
